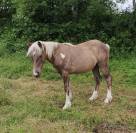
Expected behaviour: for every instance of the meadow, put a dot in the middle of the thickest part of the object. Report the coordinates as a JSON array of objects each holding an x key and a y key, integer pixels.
[{"x": 29, "y": 105}]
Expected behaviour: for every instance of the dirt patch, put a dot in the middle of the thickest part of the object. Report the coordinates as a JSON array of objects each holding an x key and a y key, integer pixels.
[{"x": 112, "y": 128}]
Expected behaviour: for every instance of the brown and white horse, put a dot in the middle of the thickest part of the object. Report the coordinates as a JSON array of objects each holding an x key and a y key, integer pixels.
[{"x": 73, "y": 59}]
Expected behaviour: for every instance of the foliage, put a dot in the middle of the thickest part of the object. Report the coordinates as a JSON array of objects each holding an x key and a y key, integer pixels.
[
  {"x": 6, "y": 11},
  {"x": 72, "y": 21}
]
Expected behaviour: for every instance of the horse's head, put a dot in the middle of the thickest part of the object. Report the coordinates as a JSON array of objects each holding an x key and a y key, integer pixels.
[{"x": 37, "y": 53}]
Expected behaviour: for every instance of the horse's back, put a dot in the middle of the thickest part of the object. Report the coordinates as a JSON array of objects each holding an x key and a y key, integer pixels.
[
  {"x": 92, "y": 43},
  {"x": 99, "y": 48}
]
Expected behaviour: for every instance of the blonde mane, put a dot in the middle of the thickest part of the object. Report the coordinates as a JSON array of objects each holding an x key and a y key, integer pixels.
[
  {"x": 49, "y": 46},
  {"x": 35, "y": 50},
  {"x": 65, "y": 43}
]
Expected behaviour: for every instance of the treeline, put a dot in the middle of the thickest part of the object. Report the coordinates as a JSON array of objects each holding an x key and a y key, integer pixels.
[{"x": 66, "y": 21}]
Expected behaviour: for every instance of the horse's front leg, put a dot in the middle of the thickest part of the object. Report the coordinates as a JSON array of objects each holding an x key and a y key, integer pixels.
[{"x": 67, "y": 89}]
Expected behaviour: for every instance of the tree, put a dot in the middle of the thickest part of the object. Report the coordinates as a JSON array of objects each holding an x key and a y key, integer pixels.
[
  {"x": 134, "y": 4},
  {"x": 73, "y": 21}
]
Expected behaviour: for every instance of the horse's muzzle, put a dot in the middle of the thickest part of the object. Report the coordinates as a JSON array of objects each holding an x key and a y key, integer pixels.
[{"x": 37, "y": 74}]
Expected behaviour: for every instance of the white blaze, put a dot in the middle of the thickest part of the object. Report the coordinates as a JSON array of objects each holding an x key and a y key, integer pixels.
[{"x": 34, "y": 73}]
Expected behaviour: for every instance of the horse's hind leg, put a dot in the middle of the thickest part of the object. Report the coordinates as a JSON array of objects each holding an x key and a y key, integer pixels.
[
  {"x": 97, "y": 77},
  {"x": 108, "y": 78}
]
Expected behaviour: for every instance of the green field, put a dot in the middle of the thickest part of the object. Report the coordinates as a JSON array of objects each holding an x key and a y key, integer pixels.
[{"x": 29, "y": 105}]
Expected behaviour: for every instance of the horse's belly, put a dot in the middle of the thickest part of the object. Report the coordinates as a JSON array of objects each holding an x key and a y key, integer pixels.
[
  {"x": 82, "y": 66},
  {"x": 76, "y": 71}
]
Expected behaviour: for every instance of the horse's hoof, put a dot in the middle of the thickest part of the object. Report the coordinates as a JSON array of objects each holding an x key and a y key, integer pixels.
[
  {"x": 91, "y": 99},
  {"x": 94, "y": 96},
  {"x": 108, "y": 100},
  {"x": 67, "y": 106}
]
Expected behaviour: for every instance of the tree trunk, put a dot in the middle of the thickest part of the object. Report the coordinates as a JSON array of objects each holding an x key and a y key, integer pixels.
[{"x": 134, "y": 4}]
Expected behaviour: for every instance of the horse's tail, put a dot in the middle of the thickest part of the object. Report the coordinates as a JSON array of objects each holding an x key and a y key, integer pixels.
[
  {"x": 108, "y": 50},
  {"x": 107, "y": 45}
]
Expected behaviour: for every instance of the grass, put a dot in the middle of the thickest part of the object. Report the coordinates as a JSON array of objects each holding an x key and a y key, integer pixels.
[{"x": 29, "y": 105}]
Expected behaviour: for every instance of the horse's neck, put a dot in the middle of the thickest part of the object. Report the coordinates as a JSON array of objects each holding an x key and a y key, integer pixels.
[{"x": 51, "y": 57}]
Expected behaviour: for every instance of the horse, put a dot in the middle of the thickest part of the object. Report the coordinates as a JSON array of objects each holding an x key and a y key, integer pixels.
[{"x": 92, "y": 55}]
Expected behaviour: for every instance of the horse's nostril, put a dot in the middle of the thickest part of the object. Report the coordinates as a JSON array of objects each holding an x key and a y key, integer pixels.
[{"x": 37, "y": 75}]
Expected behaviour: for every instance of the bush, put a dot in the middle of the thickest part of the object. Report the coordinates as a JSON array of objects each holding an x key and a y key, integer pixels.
[{"x": 72, "y": 21}]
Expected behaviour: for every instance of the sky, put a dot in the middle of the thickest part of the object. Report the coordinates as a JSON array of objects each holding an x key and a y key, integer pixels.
[{"x": 127, "y": 5}]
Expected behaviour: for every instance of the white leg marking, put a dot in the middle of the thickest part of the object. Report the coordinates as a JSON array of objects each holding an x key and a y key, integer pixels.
[
  {"x": 70, "y": 95},
  {"x": 108, "y": 97},
  {"x": 67, "y": 102},
  {"x": 94, "y": 95},
  {"x": 62, "y": 55}
]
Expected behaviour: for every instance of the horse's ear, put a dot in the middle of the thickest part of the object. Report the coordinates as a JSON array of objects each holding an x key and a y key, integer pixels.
[
  {"x": 29, "y": 44},
  {"x": 39, "y": 44}
]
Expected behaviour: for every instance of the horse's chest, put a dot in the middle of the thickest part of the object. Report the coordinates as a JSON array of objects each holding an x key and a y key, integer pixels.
[{"x": 61, "y": 61}]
